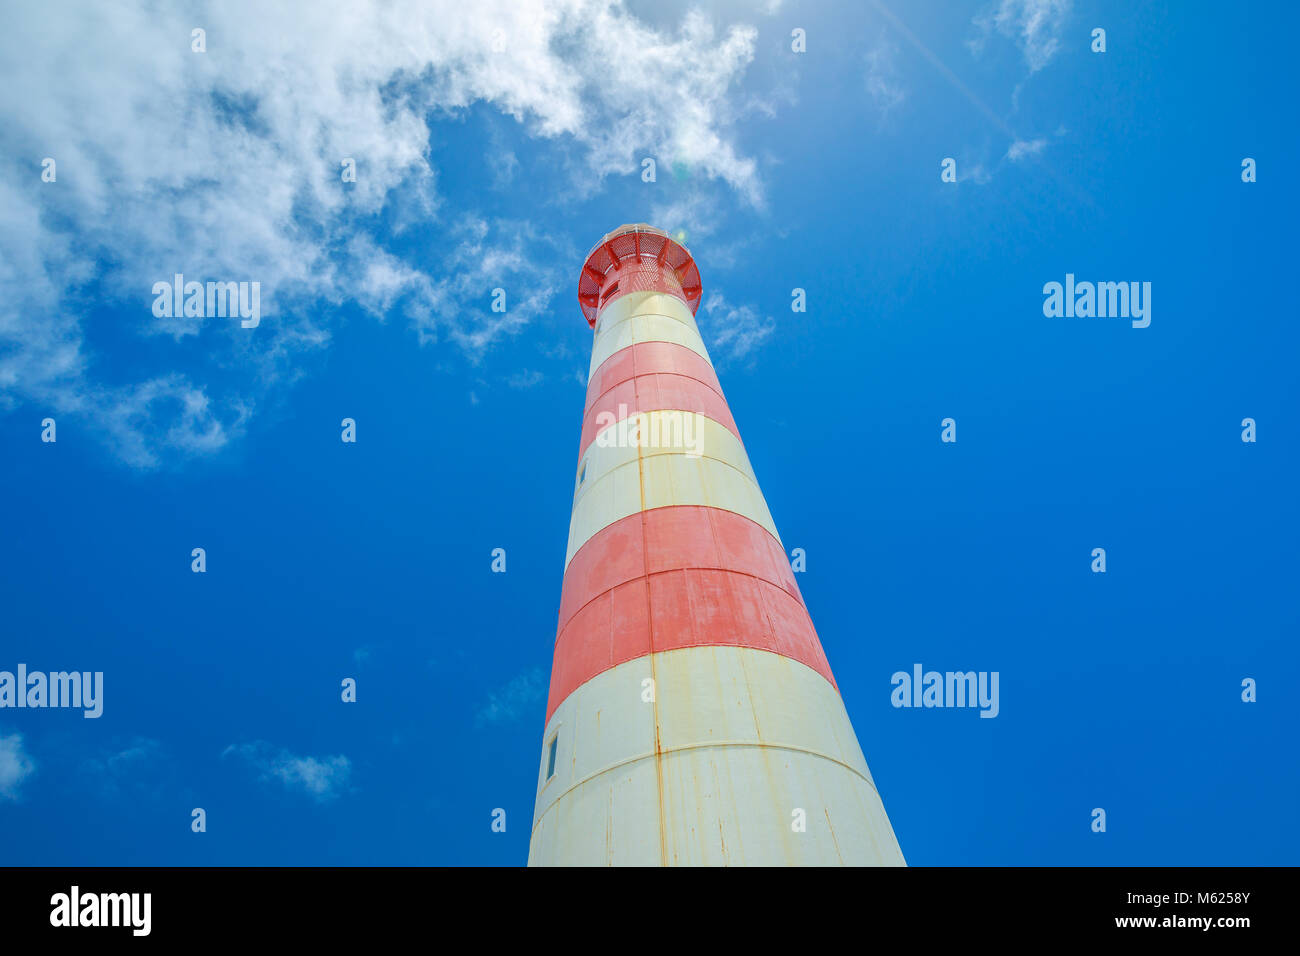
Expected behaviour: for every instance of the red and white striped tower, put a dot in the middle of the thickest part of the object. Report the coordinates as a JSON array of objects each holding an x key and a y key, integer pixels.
[{"x": 692, "y": 717}]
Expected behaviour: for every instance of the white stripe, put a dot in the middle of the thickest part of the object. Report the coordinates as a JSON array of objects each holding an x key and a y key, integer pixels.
[
  {"x": 621, "y": 481},
  {"x": 744, "y": 738}
]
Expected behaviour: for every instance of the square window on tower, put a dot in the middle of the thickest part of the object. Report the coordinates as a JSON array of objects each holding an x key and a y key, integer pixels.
[{"x": 550, "y": 757}]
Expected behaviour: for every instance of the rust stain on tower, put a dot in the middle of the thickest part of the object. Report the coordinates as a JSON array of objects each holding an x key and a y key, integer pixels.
[{"x": 692, "y": 718}]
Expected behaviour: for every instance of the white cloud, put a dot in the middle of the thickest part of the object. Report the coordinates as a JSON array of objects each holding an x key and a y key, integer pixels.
[
  {"x": 508, "y": 702},
  {"x": 225, "y": 165},
  {"x": 690, "y": 215},
  {"x": 1035, "y": 25},
  {"x": 733, "y": 331},
  {"x": 321, "y": 777},
  {"x": 15, "y": 766},
  {"x": 118, "y": 761},
  {"x": 883, "y": 83},
  {"x": 526, "y": 378},
  {"x": 504, "y": 166},
  {"x": 167, "y": 413},
  {"x": 119, "y": 769},
  {"x": 1022, "y": 148}
]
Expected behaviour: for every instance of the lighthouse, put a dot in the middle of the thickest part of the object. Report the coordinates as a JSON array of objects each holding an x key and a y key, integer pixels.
[{"x": 692, "y": 717}]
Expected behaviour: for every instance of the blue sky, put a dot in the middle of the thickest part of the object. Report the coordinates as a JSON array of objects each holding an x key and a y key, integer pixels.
[{"x": 494, "y": 159}]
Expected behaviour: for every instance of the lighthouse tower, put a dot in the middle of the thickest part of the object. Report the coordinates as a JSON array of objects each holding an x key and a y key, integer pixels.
[{"x": 692, "y": 718}]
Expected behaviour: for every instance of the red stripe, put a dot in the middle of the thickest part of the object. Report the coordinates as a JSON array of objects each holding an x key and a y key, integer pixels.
[
  {"x": 682, "y": 609},
  {"x": 677, "y": 537},
  {"x": 647, "y": 357},
  {"x": 652, "y": 376},
  {"x": 712, "y": 578}
]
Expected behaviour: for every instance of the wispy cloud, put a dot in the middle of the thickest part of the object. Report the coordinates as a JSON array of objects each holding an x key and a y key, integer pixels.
[
  {"x": 694, "y": 216},
  {"x": 122, "y": 767},
  {"x": 1022, "y": 148},
  {"x": 975, "y": 172},
  {"x": 734, "y": 332},
  {"x": 479, "y": 257},
  {"x": 1034, "y": 25},
  {"x": 323, "y": 778},
  {"x": 526, "y": 378},
  {"x": 882, "y": 78},
  {"x": 519, "y": 695},
  {"x": 689, "y": 216},
  {"x": 225, "y": 165},
  {"x": 15, "y": 766}
]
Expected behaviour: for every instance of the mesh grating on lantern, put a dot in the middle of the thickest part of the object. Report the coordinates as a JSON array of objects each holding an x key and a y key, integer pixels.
[{"x": 638, "y": 258}]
